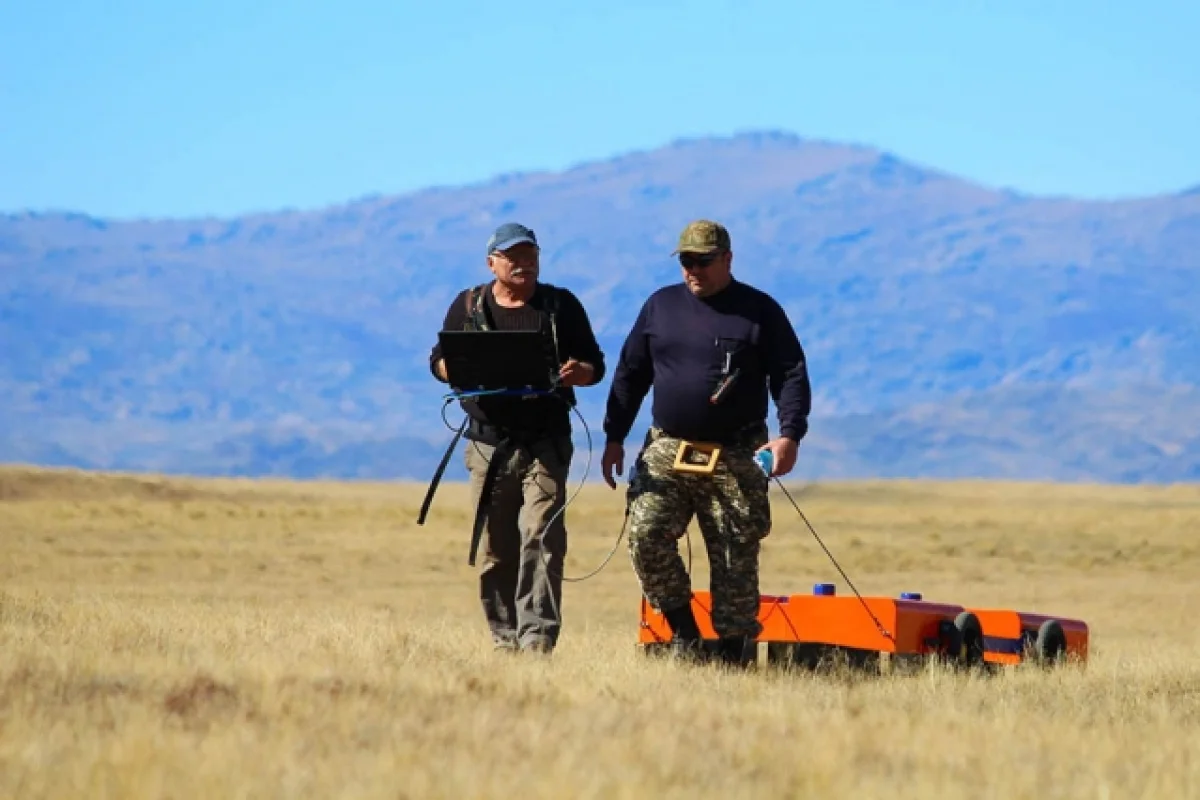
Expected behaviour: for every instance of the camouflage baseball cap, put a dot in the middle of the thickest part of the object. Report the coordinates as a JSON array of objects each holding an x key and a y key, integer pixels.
[{"x": 703, "y": 236}]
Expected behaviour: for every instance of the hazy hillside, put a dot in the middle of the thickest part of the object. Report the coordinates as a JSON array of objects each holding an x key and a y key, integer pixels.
[{"x": 952, "y": 329}]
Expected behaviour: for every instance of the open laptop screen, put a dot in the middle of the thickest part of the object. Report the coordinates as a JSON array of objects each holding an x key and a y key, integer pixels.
[{"x": 490, "y": 360}]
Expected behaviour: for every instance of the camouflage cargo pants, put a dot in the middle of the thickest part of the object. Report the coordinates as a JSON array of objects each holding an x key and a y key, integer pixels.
[
  {"x": 520, "y": 579},
  {"x": 733, "y": 512}
]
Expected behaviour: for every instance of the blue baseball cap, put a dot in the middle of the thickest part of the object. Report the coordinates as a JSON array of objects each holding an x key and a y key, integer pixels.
[{"x": 509, "y": 234}]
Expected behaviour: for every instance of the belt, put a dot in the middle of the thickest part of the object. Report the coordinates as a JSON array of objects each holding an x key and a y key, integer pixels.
[{"x": 701, "y": 456}]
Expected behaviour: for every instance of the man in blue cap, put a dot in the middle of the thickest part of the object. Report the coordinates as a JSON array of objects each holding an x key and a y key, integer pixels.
[{"x": 519, "y": 449}]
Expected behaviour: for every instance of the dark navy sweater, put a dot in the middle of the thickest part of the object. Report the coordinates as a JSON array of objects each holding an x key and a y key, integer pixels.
[{"x": 683, "y": 345}]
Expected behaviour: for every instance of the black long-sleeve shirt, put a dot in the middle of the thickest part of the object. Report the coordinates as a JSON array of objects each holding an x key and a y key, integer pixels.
[
  {"x": 536, "y": 415},
  {"x": 683, "y": 345}
]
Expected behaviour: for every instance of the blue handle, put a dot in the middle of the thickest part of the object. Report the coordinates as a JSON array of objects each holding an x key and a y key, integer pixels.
[{"x": 766, "y": 461}]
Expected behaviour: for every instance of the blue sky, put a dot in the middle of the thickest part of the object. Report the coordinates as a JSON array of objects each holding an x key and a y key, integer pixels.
[{"x": 124, "y": 109}]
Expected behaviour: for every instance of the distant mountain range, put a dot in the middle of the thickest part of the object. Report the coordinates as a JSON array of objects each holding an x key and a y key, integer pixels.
[{"x": 952, "y": 329}]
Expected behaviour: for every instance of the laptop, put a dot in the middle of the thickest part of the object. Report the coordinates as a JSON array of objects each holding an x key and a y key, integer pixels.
[{"x": 491, "y": 360}]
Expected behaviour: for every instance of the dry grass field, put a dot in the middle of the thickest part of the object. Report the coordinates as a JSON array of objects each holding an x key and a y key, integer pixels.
[{"x": 225, "y": 639}]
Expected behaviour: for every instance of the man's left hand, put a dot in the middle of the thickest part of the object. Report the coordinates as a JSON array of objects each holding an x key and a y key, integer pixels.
[
  {"x": 576, "y": 373},
  {"x": 783, "y": 452}
]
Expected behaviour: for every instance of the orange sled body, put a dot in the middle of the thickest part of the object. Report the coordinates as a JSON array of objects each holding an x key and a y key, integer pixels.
[{"x": 804, "y": 626}]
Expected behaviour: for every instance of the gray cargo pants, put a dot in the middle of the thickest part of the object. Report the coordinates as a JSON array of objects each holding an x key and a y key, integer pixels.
[{"x": 520, "y": 581}]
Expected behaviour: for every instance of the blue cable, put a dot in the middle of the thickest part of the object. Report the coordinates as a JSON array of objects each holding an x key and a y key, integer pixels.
[{"x": 495, "y": 392}]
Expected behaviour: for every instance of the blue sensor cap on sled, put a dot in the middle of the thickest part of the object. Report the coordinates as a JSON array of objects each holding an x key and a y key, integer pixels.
[
  {"x": 910, "y": 595},
  {"x": 825, "y": 589}
]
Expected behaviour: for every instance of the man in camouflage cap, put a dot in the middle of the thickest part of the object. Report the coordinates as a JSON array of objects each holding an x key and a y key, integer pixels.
[{"x": 712, "y": 347}]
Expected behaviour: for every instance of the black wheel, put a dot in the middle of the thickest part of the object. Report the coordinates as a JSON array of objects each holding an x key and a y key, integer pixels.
[
  {"x": 1051, "y": 643},
  {"x": 950, "y": 642},
  {"x": 971, "y": 631},
  {"x": 808, "y": 656},
  {"x": 865, "y": 661},
  {"x": 779, "y": 654},
  {"x": 656, "y": 649}
]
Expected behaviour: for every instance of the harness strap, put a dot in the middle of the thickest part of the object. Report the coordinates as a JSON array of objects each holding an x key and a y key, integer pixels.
[
  {"x": 552, "y": 312},
  {"x": 477, "y": 309},
  {"x": 441, "y": 469},
  {"x": 500, "y": 454}
]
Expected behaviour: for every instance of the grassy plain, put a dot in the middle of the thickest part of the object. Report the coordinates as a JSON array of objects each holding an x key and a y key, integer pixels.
[{"x": 220, "y": 638}]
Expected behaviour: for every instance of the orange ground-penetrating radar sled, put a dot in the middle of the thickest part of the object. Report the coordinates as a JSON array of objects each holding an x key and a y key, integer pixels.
[{"x": 807, "y": 629}]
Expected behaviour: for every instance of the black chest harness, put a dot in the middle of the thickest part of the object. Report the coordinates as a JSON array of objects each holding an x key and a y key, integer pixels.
[{"x": 508, "y": 440}]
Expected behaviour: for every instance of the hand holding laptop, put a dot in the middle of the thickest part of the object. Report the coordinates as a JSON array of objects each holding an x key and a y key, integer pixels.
[{"x": 576, "y": 373}]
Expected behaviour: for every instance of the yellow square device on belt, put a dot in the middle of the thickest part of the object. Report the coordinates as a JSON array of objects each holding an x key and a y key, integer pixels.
[{"x": 698, "y": 457}]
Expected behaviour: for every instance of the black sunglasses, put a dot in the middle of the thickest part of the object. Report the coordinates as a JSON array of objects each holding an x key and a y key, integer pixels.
[{"x": 697, "y": 261}]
